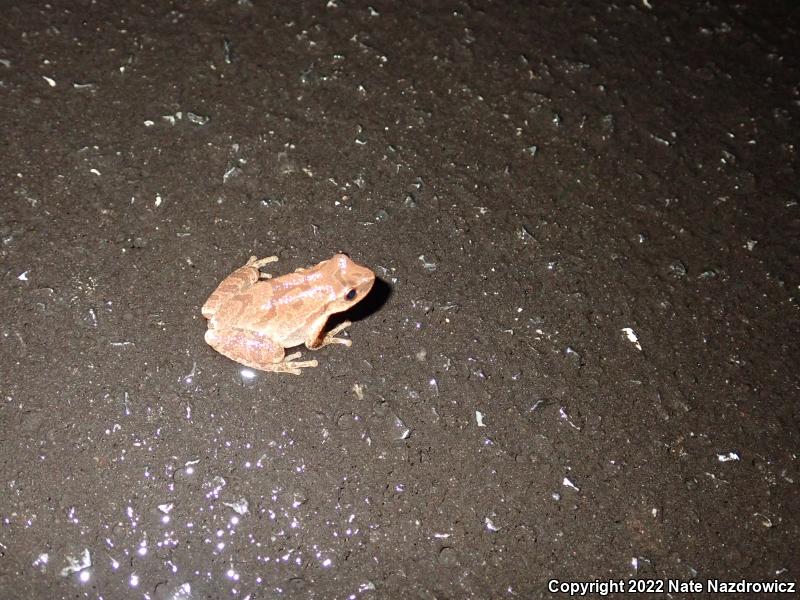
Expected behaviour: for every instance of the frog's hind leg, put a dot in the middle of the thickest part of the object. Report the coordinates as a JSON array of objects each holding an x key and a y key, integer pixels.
[
  {"x": 238, "y": 281},
  {"x": 254, "y": 350}
]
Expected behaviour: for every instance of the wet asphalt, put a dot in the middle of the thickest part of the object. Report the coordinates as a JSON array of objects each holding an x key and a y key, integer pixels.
[{"x": 579, "y": 362}]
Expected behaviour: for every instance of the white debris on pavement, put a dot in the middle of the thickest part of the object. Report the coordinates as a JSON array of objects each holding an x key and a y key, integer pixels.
[
  {"x": 240, "y": 506},
  {"x": 562, "y": 413},
  {"x": 632, "y": 337},
  {"x": 78, "y": 563},
  {"x": 728, "y": 457}
]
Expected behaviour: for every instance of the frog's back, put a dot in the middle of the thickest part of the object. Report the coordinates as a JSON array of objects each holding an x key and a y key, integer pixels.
[{"x": 243, "y": 309}]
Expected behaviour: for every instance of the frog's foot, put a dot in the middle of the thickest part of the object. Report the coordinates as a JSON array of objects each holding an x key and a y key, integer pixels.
[
  {"x": 257, "y": 263},
  {"x": 330, "y": 337},
  {"x": 260, "y": 262},
  {"x": 289, "y": 365}
]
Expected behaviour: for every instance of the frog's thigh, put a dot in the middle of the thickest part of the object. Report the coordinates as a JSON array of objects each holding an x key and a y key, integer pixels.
[
  {"x": 238, "y": 281},
  {"x": 256, "y": 350}
]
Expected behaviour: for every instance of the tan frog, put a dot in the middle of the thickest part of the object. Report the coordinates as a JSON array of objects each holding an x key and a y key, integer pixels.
[{"x": 252, "y": 317}]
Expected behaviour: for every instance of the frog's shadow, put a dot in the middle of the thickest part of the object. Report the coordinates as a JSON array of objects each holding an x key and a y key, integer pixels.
[{"x": 372, "y": 303}]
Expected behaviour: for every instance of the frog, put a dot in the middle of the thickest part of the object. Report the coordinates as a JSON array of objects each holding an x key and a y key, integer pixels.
[{"x": 253, "y": 318}]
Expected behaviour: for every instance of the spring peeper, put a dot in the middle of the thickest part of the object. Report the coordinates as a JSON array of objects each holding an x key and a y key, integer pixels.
[{"x": 252, "y": 317}]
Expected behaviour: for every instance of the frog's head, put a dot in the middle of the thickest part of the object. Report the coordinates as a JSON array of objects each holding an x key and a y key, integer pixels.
[{"x": 352, "y": 281}]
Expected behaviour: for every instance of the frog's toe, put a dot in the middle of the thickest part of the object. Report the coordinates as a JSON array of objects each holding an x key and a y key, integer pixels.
[
  {"x": 303, "y": 364},
  {"x": 260, "y": 262},
  {"x": 290, "y": 366}
]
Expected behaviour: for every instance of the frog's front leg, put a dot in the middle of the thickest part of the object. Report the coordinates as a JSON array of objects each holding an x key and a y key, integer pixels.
[
  {"x": 255, "y": 350},
  {"x": 319, "y": 338},
  {"x": 238, "y": 281}
]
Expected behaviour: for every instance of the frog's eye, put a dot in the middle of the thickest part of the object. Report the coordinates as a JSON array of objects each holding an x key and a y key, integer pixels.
[{"x": 350, "y": 295}]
